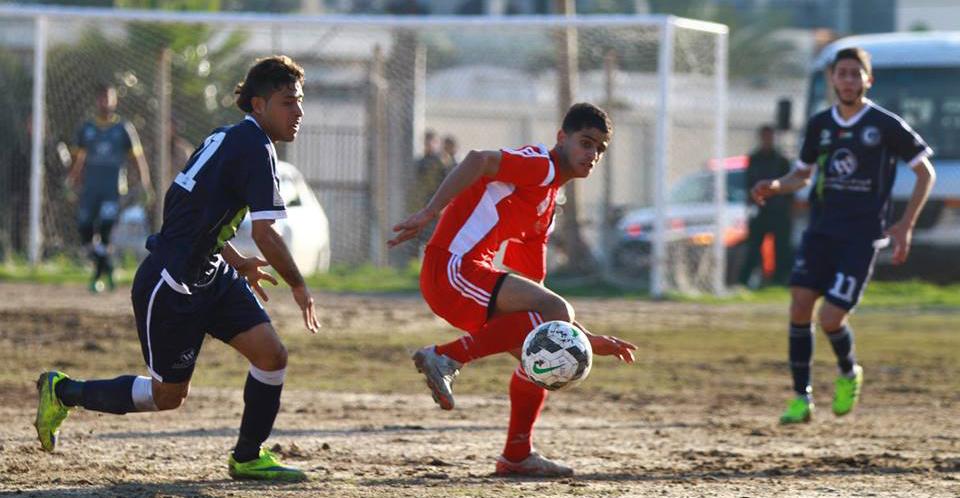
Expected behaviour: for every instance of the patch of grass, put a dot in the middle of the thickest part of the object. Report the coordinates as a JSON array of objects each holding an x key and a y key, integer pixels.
[
  {"x": 722, "y": 350},
  {"x": 368, "y": 279},
  {"x": 911, "y": 293},
  {"x": 64, "y": 269}
]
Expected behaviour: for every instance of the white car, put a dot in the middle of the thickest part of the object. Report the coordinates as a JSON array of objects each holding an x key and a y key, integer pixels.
[
  {"x": 690, "y": 214},
  {"x": 305, "y": 230}
]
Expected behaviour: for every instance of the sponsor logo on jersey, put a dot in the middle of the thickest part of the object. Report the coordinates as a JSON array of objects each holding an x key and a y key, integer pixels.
[
  {"x": 870, "y": 136},
  {"x": 844, "y": 135},
  {"x": 843, "y": 163}
]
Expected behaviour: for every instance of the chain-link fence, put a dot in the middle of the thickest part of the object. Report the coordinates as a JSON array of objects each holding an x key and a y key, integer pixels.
[{"x": 374, "y": 87}]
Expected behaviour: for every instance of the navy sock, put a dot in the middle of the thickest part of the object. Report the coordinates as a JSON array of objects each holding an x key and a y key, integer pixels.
[
  {"x": 261, "y": 404},
  {"x": 801, "y": 356},
  {"x": 110, "y": 396},
  {"x": 842, "y": 342},
  {"x": 70, "y": 392}
]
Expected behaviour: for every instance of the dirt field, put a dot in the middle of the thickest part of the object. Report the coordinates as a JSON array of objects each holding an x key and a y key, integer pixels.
[{"x": 694, "y": 417}]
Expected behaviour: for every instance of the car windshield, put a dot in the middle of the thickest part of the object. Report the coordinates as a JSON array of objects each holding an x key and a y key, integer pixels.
[
  {"x": 923, "y": 97},
  {"x": 698, "y": 188}
]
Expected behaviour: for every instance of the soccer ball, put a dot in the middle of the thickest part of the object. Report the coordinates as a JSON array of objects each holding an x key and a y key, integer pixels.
[{"x": 556, "y": 355}]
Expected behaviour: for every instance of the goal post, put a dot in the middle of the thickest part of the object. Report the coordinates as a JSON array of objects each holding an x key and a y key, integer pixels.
[{"x": 374, "y": 85}]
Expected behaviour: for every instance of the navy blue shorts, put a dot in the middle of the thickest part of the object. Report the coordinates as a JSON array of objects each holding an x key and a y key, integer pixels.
[
  {"x": 838, "y": 268},
  {"x": 98, "y": 205},
  {"x": 172, "y": 325}
]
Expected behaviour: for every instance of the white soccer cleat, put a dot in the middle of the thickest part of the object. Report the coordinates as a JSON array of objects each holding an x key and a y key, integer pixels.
[
  {"x": 440, "y": 371},
  {"x": 534, "y": 465}
]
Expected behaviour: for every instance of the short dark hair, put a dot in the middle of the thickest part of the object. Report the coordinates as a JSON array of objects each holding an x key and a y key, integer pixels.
[
  {"x": 585, "y": 115},
  {"x": 266, "y": 76},
  {"x": 102, "y": 87},
  {"x": 854, "y": 53},
  {"x": 766, "y": 128}
]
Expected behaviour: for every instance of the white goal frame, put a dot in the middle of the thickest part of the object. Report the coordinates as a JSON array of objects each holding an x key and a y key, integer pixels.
[{"x": 40, "y": 16}]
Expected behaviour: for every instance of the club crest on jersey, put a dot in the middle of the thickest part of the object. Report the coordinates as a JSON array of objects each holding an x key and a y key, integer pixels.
[
  {"x": 870, "y": 136},
  {"x": 843, "y": 163}
]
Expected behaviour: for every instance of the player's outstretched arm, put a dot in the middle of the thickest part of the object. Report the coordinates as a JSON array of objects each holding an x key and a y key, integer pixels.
[
  {"x": 250, "y": 268},
  {"x": 474, "y": 166},
  {"x": 902, "y": 231},
  {"x": 144, "y": 172},
  {"x": 795, "y": 180},
  {"x": 273, "y": 248},
  {"x": 608, "y": 345}
]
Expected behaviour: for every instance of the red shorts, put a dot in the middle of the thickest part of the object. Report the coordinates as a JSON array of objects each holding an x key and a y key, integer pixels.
[{"x": 462, "y": 292}]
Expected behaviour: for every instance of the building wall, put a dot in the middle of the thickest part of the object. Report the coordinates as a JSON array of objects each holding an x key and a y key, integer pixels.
[{"x": 936, "y": 15}]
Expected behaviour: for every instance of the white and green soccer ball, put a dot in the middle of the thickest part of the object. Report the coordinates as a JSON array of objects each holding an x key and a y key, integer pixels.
[{"x": 556, "y": 355}]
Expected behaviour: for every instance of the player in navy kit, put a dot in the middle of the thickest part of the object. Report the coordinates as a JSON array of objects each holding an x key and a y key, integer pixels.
[
  {"x": 104, "y": 144},
  {"x": 854, "y": 148},
  {"x": 194, "y": 282}
]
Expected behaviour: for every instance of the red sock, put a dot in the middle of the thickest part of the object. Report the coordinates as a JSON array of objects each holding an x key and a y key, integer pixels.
[
  {"x": 526, "y": 401},
  {"x": 503, "y": 333}
]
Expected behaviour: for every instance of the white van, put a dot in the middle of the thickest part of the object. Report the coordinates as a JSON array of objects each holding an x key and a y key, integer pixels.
[{"x": 916, "y": 77}]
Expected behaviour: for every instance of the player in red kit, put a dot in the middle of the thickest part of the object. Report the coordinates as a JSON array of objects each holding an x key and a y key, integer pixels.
[{"x": 489, "y": 198}]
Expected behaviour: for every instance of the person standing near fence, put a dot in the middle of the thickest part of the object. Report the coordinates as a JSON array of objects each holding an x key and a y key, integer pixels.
[
  {"x": 773, "y": 217},
  {"x": 104, "y": 145},
  {"x": 194, "y": 282},
  {"x": 853, "y": 147}
]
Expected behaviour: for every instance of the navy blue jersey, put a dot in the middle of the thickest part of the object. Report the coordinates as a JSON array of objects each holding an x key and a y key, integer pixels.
[
  {"x": 106, "y": 153},
  {"x": 856, "y": 163},
  {"x": 233, "y": 172}
]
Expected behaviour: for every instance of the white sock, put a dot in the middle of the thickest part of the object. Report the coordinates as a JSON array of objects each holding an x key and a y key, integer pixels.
[{"x": 142, "y": 392}]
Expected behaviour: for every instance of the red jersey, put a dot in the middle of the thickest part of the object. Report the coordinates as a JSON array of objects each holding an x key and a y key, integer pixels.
[{"x": 517, "y": 205}]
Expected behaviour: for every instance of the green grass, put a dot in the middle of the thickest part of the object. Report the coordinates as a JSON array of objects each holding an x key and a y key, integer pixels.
[
  {"x": 63, "y": 269},
  {"x": 367, "y": 279},
  {"x": 723, "y": 350},
  {"x": 911, "y": 293}
]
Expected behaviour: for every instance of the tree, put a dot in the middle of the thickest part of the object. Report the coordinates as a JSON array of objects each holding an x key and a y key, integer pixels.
[
  {"x": 754, "y": 51},
  {"x": 205, "y": 64}
]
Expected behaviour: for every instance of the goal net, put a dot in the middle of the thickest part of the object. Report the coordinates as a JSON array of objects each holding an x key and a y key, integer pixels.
[{"x": 652, "y": 215}]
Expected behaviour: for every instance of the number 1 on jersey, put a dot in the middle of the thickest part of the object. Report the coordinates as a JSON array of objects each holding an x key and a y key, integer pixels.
[{"x": 186, "y": 178}]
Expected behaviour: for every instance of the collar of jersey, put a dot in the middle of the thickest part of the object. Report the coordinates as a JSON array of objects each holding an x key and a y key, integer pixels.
[
  {"x": 254, "y": 121},
  {"x": 105, "y": 123},
  {"x": 867, "y": 104}
]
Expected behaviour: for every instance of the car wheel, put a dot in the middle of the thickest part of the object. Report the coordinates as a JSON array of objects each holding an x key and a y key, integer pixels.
[{"x": 633, "y": 259}]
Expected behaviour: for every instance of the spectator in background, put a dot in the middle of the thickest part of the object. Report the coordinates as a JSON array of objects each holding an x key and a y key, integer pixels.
[
  {"x": 767, "y": 163},
  {"x": 450, "y": 157},
  {"x": 104, "y": 145},
  {"x": 430, "y": 170}
]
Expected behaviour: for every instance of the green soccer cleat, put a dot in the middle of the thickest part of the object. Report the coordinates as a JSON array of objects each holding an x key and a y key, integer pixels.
[
  {"x": 847, "y": 392},
  {"x": 265, "y": 468},
  {"x": 50, "y": 411},
  {"x": 799, "y": 410}
]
